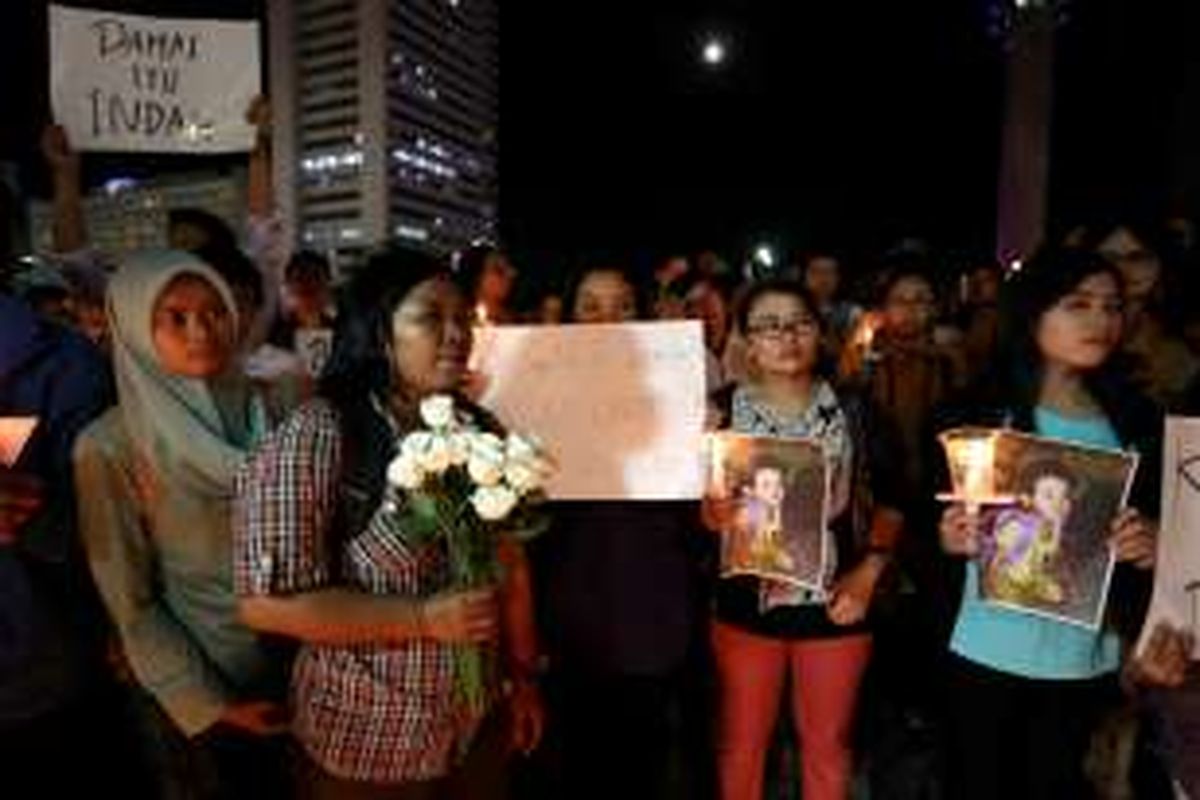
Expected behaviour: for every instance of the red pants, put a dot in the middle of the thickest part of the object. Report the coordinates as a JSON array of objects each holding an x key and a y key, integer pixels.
[{"x": 825, "y": 676}]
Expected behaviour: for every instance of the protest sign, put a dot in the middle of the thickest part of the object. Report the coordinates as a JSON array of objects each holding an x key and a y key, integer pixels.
[
  {"x": 620, "y": 407},
  {"x": 1176, "y": 601},
  {"x": 123, "y": 82}
]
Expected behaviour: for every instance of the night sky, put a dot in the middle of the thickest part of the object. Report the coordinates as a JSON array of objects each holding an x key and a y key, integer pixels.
[{"x": 843, "y": 123}]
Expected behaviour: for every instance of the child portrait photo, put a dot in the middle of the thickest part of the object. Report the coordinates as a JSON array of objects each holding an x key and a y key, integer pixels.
[
  {"x": 1047, "y": 551},
  {"x": 778, "y": 490}
]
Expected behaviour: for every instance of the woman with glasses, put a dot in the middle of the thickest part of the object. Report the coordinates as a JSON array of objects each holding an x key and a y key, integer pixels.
[{"x": 767, "y": 634}]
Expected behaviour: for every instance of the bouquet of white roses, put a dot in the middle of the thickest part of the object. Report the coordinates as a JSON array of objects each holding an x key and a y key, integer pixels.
[{"x": 454, "y": 481}]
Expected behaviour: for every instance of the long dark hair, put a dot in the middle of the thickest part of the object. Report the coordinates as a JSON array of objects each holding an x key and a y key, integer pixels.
[
  {"x": 1052, "y": 274},
  {"x": 471, "y": 265},
  {"x": 359, "y": 365}
]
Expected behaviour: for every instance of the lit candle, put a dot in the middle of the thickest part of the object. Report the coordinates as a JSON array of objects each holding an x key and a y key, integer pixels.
[
  {"x": 14, "y": 433},
  {"x": 868, "y": 335},
  {"x": 977, "y": 469},
  {"x": 481, "y": 315},
  {"x": 716, "y": 462},
  {"x": 868, "y": 329},
  {"x": 972, "y": 455}
]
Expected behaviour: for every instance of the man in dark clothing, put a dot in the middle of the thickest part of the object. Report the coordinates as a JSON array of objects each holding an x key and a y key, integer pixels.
[{"x": 57, "y": 704}]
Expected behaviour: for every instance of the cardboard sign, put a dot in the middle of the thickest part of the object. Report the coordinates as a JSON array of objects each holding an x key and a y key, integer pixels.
[
  {"x": 619, "y": 407},
  {"x": 1176, "y": 601},
  {"x": 122, "y": 82}
]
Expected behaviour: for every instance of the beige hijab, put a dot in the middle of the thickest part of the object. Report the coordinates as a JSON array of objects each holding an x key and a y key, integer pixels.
[{"x": 193, "y": 432}]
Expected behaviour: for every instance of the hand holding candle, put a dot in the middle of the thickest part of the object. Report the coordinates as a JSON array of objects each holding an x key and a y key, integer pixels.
[{"x": 972, "y": 455}]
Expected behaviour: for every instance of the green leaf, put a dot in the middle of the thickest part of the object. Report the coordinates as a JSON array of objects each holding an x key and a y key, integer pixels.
[{"x": 417, "y": 519}]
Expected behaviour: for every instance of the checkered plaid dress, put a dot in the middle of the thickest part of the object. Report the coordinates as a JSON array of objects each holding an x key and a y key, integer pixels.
[{"x": 364, "y": 713}]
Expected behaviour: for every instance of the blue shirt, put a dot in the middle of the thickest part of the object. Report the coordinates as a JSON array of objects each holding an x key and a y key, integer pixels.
[
  {"x": 51, "y": 626},
  {"x": 1028, "y": 646}
]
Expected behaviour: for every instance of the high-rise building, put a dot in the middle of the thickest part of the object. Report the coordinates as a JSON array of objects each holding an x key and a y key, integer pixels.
[
  {"x": 124, "y": 215},
  {"x": 385, "y": 119}
]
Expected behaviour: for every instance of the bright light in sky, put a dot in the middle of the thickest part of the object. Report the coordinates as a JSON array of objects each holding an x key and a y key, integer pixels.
[
  {"x": 714, "y": 52},
  {"x": 764, "y": 255}
]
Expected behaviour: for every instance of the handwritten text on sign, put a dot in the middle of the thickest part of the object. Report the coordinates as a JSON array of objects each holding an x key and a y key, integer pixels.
[
  {"x": 1176, "y": 601},
  {"x": 134, "y": 83},
  {"x": 620, "y": 407}
]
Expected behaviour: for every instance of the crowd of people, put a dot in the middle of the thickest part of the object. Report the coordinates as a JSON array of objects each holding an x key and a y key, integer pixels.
[{"x": 201, "y": 594}]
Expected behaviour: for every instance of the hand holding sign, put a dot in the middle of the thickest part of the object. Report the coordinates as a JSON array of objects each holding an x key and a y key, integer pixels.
[{"x": 57, "y": 150}]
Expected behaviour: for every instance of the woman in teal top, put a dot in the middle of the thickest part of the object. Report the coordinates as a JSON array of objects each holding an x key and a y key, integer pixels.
[{"x": 1026, "y": 691}]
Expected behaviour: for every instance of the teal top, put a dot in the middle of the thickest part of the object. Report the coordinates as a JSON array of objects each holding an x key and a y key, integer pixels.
[{"x": 1022, "y": 644}]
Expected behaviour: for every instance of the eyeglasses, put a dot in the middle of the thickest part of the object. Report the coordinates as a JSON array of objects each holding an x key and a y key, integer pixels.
[{"x": 776, "y": 328}]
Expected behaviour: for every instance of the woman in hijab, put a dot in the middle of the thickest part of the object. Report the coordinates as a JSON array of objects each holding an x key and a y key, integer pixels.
[{"x": 154, "y": 477}]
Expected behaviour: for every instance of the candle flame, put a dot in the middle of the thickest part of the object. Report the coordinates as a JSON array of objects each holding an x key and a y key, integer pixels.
[{"x": 972, "y": 458}]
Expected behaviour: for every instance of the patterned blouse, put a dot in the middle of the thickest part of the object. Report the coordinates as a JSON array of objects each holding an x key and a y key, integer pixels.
[{"x": 365, "y": 712}]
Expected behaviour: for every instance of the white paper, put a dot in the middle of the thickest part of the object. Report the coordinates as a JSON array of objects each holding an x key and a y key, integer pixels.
[
  {"x": 14, "y": 433},
  {"x": 619, "y": 407},
  {"x": 124, "y": 82},
  {"x": 1176, "y": 599}
]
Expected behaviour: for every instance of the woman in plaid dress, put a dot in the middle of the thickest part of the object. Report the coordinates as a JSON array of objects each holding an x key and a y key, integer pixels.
[{"x": 374, "y": 705}]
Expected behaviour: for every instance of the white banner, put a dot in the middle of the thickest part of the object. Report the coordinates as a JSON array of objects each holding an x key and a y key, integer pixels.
[
  {"x": 121, "y": 82},
  {"x": 619, "y": 407},
  {"x": 1177, "y": 570}
]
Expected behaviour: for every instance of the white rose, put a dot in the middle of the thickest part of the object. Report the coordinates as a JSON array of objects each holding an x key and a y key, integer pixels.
[
  {"x": 493, "y": 503},
  {"x": 460, "y": 449},
  {"x": 485, "y": 471},
  {"x": 522, "y": 477},
  {"x": 438, "y": 411},
  {"x": 488, "y": 445},
  {"x": 519, "y": 447},
  {"x": 436, "y": 458},
  {"x": 405, "y": 473},
  {"x": 415, "y": 444}
]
